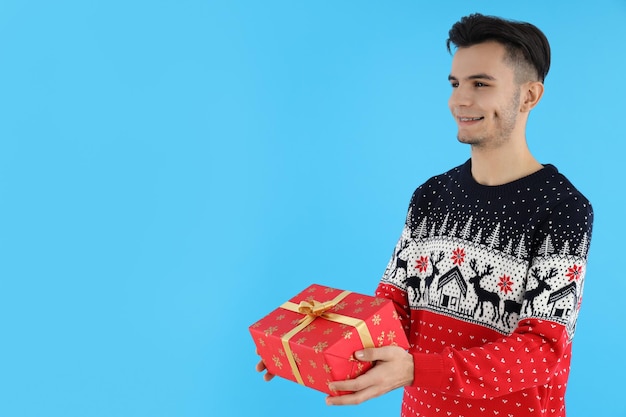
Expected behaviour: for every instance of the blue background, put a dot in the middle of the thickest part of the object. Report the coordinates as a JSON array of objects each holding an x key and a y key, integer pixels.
[{"x": 171, "y": 171}]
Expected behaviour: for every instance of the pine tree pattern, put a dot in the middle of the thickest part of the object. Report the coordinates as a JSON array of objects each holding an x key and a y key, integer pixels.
[{"x": 509, "y": 272}]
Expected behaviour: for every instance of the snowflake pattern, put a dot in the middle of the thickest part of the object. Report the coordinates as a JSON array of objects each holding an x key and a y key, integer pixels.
[
  {"x": 421, "y": 264},
  {"x": 377, "y": 302},
  {"x": 340, "y": 306},
  {"x": 505, "y": 284},
  {"x": 309, "y": 328},
  {"x": 270, "y": 330},
  {"x": 318, "y": 348},
  {"x": 458, "y": 256},
  {"x": 574, "y": 272},
  {"x": 277, "y": 362},
  {"x": 381, "y": 338}
]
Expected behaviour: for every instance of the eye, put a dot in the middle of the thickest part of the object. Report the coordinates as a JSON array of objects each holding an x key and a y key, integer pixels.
[
  {"x": 454, "y": 84},
  {"x": 480, "y": 84}
]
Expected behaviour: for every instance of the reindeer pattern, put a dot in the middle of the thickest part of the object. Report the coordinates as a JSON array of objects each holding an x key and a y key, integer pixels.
[{"x": 495, "y": 291}]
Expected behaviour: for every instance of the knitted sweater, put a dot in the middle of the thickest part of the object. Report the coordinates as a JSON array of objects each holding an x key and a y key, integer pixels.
[{"x": 488, "y": 281}]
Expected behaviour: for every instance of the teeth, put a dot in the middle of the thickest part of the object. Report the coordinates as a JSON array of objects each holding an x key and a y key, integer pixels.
[{"x": 468, "y": 119}]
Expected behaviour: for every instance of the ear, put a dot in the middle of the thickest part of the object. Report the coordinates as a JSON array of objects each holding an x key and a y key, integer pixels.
[{"x": 532, "y": 92}]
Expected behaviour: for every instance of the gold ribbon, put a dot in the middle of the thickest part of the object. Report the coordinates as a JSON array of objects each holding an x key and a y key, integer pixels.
[
  {"x": 312, "y": 310},
  {"x": 315, "y": 308}
]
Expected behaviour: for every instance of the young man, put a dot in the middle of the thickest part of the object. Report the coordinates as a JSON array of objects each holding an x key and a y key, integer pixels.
[{"x": 488, "y": 272}]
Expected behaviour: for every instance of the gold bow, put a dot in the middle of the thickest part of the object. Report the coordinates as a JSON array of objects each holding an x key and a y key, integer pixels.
[{"x": 315, "y": 308}]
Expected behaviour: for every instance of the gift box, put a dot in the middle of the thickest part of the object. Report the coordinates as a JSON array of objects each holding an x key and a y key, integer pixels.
[{"x": 311, "y": 339}]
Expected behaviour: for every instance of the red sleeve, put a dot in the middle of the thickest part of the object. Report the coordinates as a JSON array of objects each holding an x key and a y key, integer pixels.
[{"x": 531, "y": 356}]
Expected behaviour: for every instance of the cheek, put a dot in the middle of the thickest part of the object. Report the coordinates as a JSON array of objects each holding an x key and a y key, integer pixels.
[
  {"x": 505, "y": 113},
  {"x": 497, "y": 111}
]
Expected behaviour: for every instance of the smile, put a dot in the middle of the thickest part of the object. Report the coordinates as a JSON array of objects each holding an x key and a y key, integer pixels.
[{"x": 470, "y": 119}]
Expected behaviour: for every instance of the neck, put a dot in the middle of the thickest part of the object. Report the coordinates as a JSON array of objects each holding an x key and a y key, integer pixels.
[{"x": 504, "y": 164}]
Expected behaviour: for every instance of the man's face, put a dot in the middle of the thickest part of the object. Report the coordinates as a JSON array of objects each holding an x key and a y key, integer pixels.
[{"x": 485, "y": 100}]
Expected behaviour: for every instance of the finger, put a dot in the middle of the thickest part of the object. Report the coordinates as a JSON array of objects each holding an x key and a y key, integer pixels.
[
  {"x": 260, "y": 367},
  {"x": 352, "y": 385},
  {"x": 349, "y": 385},
  {"x": 354, "y": 398}
]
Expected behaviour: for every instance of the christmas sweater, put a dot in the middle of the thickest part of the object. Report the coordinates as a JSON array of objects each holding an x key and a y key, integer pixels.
[{"x": 488, "y": 281}]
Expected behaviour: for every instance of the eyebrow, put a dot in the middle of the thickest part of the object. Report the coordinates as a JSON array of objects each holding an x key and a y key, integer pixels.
[{"x": 473, "y": 77}]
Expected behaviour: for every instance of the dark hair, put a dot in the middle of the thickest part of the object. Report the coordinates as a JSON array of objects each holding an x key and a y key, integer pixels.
[{"x": 526, "y": 46}]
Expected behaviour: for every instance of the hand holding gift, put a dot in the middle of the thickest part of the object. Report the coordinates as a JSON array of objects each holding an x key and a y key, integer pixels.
[
  {"x": 312, "y": 338},
  {"x": 393, "y": 369}
]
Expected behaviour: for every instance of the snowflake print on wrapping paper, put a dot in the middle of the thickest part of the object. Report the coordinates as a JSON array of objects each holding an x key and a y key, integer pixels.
[
  {"x": 574, "y": 272},
  {"x": 458, "y": 256},
  {"x": 381, "y": 338},
  {"x": 277, "y": 362},
  {"x": 270, "y": 330},
  {"x": 377, "y": 301},
  {"x": 422, "y": 263},
  {"x": 309, "y": 328},
  {"x": 359, "y": 368},
  {"x": 340, "y": 306},
  {"x": 505, "y": 284},
  {"x": 320, "y": 347}
]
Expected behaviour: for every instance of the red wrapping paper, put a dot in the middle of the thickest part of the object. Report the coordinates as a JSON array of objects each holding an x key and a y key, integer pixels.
[{"x": 321, "y": 351}]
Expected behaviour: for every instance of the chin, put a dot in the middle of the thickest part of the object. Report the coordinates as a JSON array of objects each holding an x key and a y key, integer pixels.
[{"x": 469, "y": 140}]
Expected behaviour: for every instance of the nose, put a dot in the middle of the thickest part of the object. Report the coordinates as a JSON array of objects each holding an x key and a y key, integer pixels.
[{"x": 460, "y": 97}]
